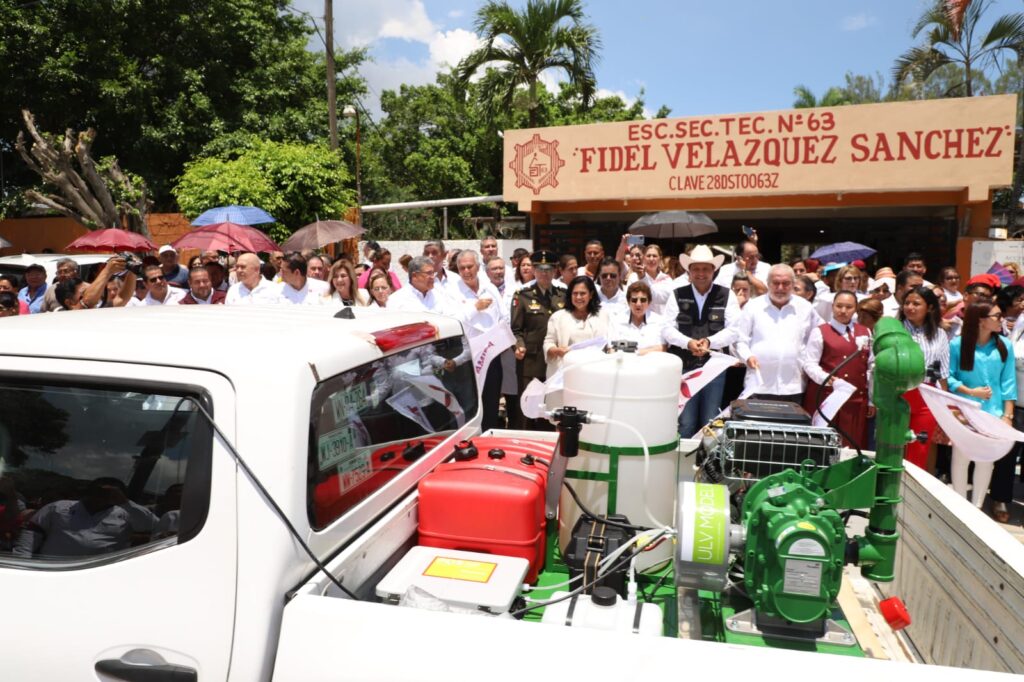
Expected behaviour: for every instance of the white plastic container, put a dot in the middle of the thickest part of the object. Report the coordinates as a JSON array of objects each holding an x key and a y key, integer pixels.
[
  {"x": 642, "y": 618},
  {"x": 642, "y": 391}
]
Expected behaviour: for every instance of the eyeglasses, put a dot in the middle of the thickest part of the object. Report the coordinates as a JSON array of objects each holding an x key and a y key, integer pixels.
[
  {"x": 639, "y": 300},
  {"x": 609, "y": 275},
  {"x": 995, "y": 316},
  {"x": 158, "y": 278},
  {"x": 378, "y": 289},
  {"x": 851, "y": 278},
  {"x": 951, "y": 277}
]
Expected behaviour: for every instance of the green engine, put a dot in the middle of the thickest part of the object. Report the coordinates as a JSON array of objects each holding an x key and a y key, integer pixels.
[
  {"x": 794, "y": 550},
  {"x": 762, "y": 532}
]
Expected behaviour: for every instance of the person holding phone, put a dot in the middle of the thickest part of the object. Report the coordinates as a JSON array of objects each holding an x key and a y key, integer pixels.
[{"x": 746, "y": 260}]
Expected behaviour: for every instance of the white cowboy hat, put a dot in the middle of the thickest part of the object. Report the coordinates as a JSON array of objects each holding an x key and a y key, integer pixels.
[{"x": 700, "y": 254}]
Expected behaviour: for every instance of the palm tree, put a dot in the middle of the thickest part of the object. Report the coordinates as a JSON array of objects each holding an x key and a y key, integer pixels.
[
  {"x": 950, "y": 39},
  {"x": 805, "y": 99},
  {"x": 527, "y": 43}
]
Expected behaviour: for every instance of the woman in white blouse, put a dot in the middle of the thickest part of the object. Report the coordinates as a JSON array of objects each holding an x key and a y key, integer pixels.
[
  {"x": 581, "y": 320},
  {"x": 649, "y": 330}
]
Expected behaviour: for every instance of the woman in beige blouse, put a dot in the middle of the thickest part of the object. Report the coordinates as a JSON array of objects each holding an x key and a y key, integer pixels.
[{"x": 581, "y": 320}]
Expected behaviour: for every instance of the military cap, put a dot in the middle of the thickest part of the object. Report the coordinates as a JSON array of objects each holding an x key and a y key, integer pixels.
[{"x": 544, "y": 259}]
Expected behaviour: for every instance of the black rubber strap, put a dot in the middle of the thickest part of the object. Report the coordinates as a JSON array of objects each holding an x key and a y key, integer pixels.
[{"x": 572, "y": 608}]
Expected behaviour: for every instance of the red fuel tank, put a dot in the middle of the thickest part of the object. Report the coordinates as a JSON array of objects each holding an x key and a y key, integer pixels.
[{"x": 490, "y": 499}]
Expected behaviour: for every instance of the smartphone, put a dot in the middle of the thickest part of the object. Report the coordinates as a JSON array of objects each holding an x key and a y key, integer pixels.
[
  {"x": 635, "y": 240},
  {"x": 749, "y": 232}
]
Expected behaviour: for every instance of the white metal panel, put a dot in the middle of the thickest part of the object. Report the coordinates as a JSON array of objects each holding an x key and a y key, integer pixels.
[
  {"x": 962, "y": 578},
  {"x": 177, "y": 601}
]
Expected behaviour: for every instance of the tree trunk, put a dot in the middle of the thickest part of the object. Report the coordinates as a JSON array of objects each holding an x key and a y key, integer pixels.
[
  {"x": 86, "y": 195},
  {"x": 533, "y": 102}
]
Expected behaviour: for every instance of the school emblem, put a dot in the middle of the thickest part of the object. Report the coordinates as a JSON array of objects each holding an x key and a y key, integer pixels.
[{"x": 536, "y": 164}]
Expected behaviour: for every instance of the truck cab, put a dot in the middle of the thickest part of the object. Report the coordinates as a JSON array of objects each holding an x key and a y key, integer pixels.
[{"x": 134, "y": 539}]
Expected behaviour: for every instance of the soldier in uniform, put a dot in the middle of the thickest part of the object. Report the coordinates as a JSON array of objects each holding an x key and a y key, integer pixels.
[{"x": 531, "y": 308}]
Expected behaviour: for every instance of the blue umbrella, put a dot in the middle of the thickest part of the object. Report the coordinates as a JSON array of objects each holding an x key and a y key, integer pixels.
[
  {"x": 843, "y": 252},
  {"x": 240, "y": 215}
]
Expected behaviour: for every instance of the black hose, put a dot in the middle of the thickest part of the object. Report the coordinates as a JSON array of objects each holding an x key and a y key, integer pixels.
[
  {"x": 616, "y": 566},
  {"x": 600, "y": 519}
]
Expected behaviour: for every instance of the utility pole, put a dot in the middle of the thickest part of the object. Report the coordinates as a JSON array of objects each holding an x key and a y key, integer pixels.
[{"x": 332, "y": 104}]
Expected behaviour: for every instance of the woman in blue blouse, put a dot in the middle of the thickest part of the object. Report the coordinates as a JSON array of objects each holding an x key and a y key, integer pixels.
[{"x": 981, "y": 367}]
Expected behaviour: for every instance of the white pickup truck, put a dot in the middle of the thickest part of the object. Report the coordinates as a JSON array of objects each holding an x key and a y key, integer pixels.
[{"x": 168, "y": 473}]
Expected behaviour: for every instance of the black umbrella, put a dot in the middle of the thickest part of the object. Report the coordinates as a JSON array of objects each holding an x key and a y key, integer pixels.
[{"x": 673, "y": 225}]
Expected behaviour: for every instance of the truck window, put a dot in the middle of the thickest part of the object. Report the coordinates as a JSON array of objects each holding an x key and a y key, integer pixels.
[
  {"x": 370, "y": 423},
  {"x": 89, "y": 474}
]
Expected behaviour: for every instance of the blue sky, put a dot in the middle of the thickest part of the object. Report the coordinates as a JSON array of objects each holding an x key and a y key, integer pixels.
[{"x": 711, "y": 57}]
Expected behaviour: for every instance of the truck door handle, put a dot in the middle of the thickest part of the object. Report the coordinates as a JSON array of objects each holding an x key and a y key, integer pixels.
[{"x": 134, "y": 672}]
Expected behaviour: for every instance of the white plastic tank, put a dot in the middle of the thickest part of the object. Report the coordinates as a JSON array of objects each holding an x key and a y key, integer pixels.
[
  {"x": 605, "y": 610},
  {"x": 642, "y": 391}
]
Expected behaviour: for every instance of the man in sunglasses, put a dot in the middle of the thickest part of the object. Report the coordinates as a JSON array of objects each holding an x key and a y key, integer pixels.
[
  {"x": 609, "y": 287},
  {"x": 157, "y": 290}
]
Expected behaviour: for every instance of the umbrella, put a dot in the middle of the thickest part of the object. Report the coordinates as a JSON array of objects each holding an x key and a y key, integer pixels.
[
  {"x": 240, "y": 215},
  {"x": 673, "y": 225},
  {"x": 4, "y": 243},
  {"x": 843, "y": 252},
  {"x": 321, "y": 233},
  {"x": 111, "y": 239},
  {"x": 226, "y": 237}
]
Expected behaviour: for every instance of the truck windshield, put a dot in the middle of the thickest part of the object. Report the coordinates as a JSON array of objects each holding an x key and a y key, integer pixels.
[
  {"x": 370, "y": 423},
  {"x": 87, "y": 472}
]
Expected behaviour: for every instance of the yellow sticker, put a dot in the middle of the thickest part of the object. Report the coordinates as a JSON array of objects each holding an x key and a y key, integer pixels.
[
  {"x": 804, "y": 525},
  {"x": 460, "y": 569}
]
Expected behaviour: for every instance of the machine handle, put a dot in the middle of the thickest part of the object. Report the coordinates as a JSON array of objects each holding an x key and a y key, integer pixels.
[{"x": 134, "y": 672}]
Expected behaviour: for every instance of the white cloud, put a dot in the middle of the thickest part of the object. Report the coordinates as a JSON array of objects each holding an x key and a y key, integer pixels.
[
  {"x": 857, "y": 22},
  {"x": 455, "y": 14},
  {"x": 451, "y": 47},
  {"x": 413, "y": 25}
]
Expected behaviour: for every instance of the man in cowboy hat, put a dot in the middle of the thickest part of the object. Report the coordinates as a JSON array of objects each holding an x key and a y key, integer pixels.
[{"x": 704, "y": 313}]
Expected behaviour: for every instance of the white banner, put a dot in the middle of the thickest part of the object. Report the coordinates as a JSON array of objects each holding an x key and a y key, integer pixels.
[
  {"x": 431, "y": 387},
  {"x": 982, "y": 436},
  {"x": 841, "y": 392},
  {"x": 696, "y": 379},
  {"x": 487, "y": 346},
  {"x": 406, "y": 404}
]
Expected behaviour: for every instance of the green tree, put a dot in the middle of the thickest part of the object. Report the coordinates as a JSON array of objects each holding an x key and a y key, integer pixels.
[
  {"x": 294, "y": 182},
  {"x": 805, "y": 98},
  {"x": 162, "y": 78},
  {"x": 523, "y": 44},
  {"x": 956, "y": 38}
]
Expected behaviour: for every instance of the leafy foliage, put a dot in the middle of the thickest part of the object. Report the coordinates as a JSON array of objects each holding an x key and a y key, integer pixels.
[
  {"x": 159, "y": 79},
  {"x": 294, "y": 182},
  {"x": 520, "y": 45},
  {"x": 951, "y": 38}
]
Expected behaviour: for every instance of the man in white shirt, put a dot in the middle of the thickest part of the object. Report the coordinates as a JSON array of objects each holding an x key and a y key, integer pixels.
[
  {"x": 251, "y": 287},
  {"x": 435, "y": 251},
  {"x": 773, "y": 330},
  {"x": 479, "y": 307},
  {"x": 299, "y": 289},
  {"x": 421, "y": 295},
  {"x": 748, "y": 260},
  {"x": 704, "y": 314},
  {"x": 497, "y": 274},
  {"x": 609, "y": 288},
  {"x": 157, "y": 290}
]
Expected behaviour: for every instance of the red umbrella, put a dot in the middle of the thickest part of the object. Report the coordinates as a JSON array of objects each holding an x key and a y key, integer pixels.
[
  {"x": 226, "y": 237},
  {"x": 111, "y": 239}
]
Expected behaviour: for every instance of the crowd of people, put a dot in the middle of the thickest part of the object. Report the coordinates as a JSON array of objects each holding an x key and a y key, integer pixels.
[{"x": 794, "y": 328}]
